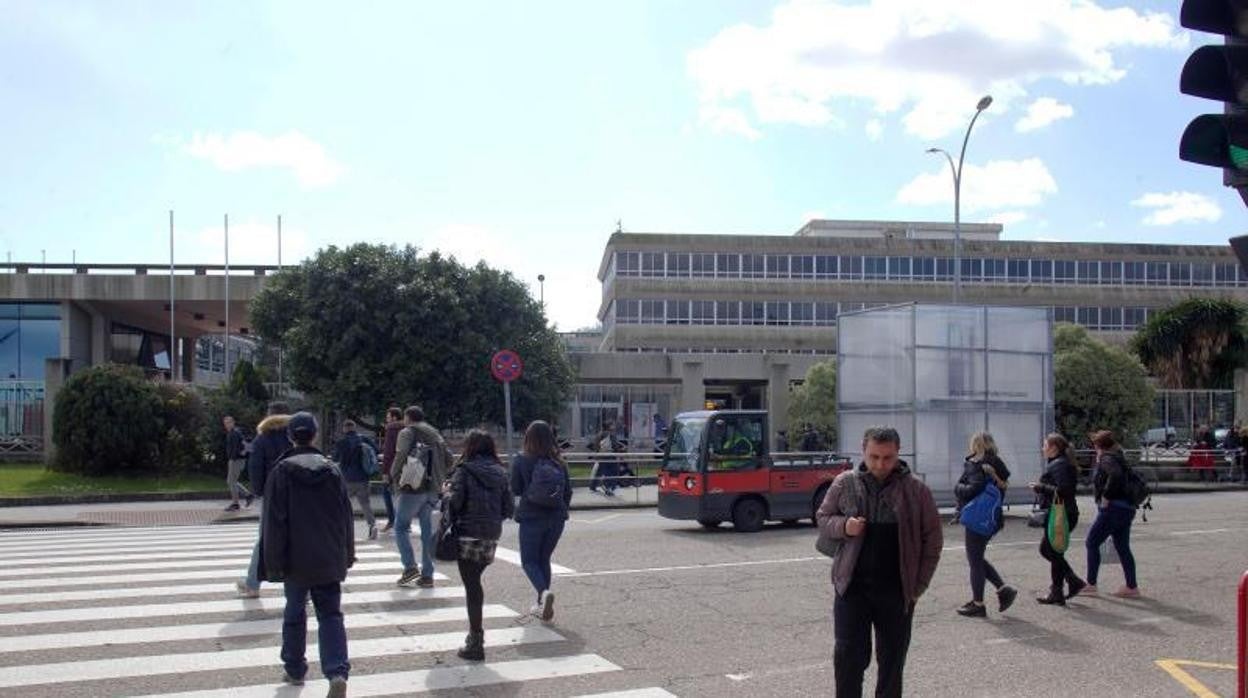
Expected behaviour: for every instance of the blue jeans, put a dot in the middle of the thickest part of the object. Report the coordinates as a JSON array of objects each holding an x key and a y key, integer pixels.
[
  {"x": 331, "y": 633},
  {"x": 253, "y": 569},
  {"x": 537, "y": 544},
  {"x": 388, "y": 500},
  {"x": 1114, "y": 521},
  {"x": 418, "y": 506}
]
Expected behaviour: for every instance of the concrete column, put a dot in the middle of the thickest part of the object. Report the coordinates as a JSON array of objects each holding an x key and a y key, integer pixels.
[
  {"x": 56, "y": 371},
  {"x": 692, "y": 386},
  {"x": 777, "y": 400},
  {"x": 1241, "y": 396}
]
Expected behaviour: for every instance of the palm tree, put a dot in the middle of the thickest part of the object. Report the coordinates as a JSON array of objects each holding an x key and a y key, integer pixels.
[{"x": 1195, "y": 344}]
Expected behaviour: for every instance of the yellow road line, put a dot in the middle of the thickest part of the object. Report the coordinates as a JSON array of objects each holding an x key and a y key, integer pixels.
[{"x": 1200, "y": 690}]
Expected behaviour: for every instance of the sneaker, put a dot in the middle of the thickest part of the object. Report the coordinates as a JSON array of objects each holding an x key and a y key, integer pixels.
[
  {"x": 424, "y": 582},
  {"x": 338, "y": 687},
  {"x": 388, "y": 527},
  {"x": 290, "y": 680},
  {"x": 548, "y": 606},
  {"x": 973, "y": 610},
  {"x": 1005, "y": 598},
  {"x": 409, "y": 576},
  {"x": 245, "y": 591},
  {"x": 1076, "y": 586},
  {"x": 536, "y": 610},
  {"x": 232, "y": 507},
  {"x": 1086, "y": 590},
  {"x": 1128, "y": 593},
  {"x": 372, "y": 532}
]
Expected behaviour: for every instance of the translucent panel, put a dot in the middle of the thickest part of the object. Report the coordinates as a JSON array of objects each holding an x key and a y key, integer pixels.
[
  {"x": 1017, "y": 377},
  {"x": 1019, "y": 437},
  {"x": 854, "y": 424},
  {"x": 885, "y": 331},
  {"x": 1018, "y": 329},
  {"x": 944, "y": 376},
  {"x": 942, "y": 446},
  {"x": 949, "y": 326}
]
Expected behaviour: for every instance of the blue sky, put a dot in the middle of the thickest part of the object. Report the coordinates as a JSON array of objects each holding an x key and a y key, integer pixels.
[{"x": 519, "y": 132}]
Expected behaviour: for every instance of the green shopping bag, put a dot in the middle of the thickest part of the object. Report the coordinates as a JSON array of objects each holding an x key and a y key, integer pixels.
[{"x": 1058, "y": 528}]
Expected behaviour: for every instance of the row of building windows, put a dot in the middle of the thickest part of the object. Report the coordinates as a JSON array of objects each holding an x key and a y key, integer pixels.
[
  {"x": 920, "y": 269},
  {"x": 630, "y": 311}
]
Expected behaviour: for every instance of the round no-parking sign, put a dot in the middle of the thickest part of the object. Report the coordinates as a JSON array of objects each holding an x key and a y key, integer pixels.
[{"x": 506, "y": 366}]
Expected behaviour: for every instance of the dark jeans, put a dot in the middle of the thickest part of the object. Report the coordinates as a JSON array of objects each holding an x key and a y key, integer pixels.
[
  {"x": 1059, "y": 569},
  {"x": 854, "y": 616},
  {"x": 330, "y": 632},
  {"x": 470, "y": 574},
  {"x": 981, "y": 569},
  {"x": 1113, "y": 521},
  {"x": 537, "y": 544},
  {"x": 387, "y": 498}
]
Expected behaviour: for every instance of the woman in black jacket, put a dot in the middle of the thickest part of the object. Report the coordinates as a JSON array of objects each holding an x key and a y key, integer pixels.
[
  {"x": 542, "y": 514},
  {"x": 1114, "y": 514},
  {"x": 1058, "y": 483},
  {"x": 478, "y": 502},
  {"x": 982, "y": 466}
]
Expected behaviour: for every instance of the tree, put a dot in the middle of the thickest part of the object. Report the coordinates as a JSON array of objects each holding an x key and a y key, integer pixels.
[
  {"x": 108, "y": 419},
  {"x": 1195, "y": 344},
  {"x": 1098, "y": 386},
  {"x": 812, "y": 405},
  {"x": 373, "y": 325}
]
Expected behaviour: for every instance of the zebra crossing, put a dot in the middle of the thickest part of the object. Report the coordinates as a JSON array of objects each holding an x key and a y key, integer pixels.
[{"x": 154, "y": 612}]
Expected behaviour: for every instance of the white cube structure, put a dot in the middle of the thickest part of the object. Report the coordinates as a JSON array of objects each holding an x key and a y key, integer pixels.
[{"x": 940, "y": 373}]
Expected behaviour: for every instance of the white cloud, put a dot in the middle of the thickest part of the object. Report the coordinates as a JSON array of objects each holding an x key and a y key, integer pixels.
[
  {"x": 997, "y": 185},
  {"x": 726, "y": 120},
  {"x": 252, "y": 241},
  {"x": 1008, "y": 217},
  {"x": 1178, "y": 207},
  {"x": 875, "y": 129},
  {"x": 930, "y": 59},
  {"x": 1043, "y": 112},
  {"x": 244, "y": 150}
]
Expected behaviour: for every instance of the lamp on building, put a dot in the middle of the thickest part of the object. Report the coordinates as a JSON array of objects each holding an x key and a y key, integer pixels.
[{"x": 983, "y": 104}]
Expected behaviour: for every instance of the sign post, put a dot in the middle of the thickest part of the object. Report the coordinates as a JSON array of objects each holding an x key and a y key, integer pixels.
[{"x": 506, "y": 367}]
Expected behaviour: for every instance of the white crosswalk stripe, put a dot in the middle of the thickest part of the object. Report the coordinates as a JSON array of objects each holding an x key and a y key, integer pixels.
[{"x": 61, "y": 592}]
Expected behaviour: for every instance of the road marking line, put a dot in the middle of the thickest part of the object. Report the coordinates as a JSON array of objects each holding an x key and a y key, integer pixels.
[
  {"x": 1200, "y": 690},
  {"x": 150, "y": 542},
  {"x": 1146, "y": 620},
  {"x": 175, "y": 590},
  {"x": 508, "y": 555},
  {"x": 1020, "y": 638},
  {"x": 177, "y": 555},
  {"x": 87, "y": 572},
  {"x": 195, "y": 608},
  {"x": 424, "y": 680},
  {"x": 598, "y": 520},
  {"x": 704, "y": 566},
  {"x": 240, "y": 629},
  {"x": 116, "y": 532},
  {"x": 1193, "y": 533},
  {"x": 144, "y": 546},
  {"x": 654, "y": 692},
  {"x": 125, "y": 667},
  {"x": 159, "y": 561}
]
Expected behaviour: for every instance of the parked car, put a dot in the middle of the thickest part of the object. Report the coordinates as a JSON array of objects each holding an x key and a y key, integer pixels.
[{"x": 1160, "y": 435}]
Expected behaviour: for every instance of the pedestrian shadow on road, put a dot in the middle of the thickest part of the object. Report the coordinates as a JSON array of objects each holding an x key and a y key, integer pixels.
[
  {"x": 1135, "y": 622},
  {"x": 1181, "y": 614},
  {"x": 1025, "y": 632}
]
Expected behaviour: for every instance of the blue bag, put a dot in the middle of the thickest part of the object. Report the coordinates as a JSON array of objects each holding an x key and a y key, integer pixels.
[
  {"x": 368, "y": 459},
  {"x": 980, "y": 514},
  {"x": 546, "y": 486}
]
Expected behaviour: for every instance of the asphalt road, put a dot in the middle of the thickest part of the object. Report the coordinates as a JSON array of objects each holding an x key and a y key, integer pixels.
[{"x": 647, "y": 604}]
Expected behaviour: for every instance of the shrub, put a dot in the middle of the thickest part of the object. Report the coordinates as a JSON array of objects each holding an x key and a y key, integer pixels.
[
  {"x": 185, "y": 417},
  {"x": 108, "y": 419}
]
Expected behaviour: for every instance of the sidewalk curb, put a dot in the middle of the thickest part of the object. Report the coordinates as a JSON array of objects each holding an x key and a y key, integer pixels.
[{"x": 110, "y": 498}]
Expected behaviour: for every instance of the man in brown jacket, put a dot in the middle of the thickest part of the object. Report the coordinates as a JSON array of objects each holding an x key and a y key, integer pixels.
[{"x": 890, "y": 539}]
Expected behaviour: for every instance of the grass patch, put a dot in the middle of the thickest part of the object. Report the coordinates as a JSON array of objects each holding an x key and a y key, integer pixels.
[{"x": 35, "y": 480}]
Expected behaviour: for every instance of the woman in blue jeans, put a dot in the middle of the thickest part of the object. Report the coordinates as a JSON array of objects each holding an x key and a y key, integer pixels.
[
  {"x": 1114, "y": 514},
  {"x": 541, "y": 512}
]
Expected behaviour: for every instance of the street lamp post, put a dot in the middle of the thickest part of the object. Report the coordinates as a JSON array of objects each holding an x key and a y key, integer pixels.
[
  {"x": 957, "y": 197},
  {"x": 541, "y": 286}
]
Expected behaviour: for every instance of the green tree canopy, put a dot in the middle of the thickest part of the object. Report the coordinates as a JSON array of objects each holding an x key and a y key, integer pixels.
[
  {"x": 813, "y": 404},
  {"x": 108, "y": 419},
  {"x": 1098, "y": 386},
  {"x": 373, "y": 325},
  {"x": 1196, "y": 343}
]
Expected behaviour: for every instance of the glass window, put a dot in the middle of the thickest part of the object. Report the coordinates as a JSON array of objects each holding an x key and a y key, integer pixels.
[
  {"x": 852, "y": 307},
  {"x": 10, "y": 341},
  {"x": 702, "y": 312},
  {"x": 1132, "y": 318},
  {"x": 1089, "y": 317},
  {"x": 777, "y": 266},
  {"x": 627, "y": 263},
  {"x": 678, "y": 312},
  {"x": 734, "y": 442},
  {"x": 752, "y": 266},
  {"x": 1133, "y": 272},
  {"x": 727, "y": 313},
  {"x": 1224, "y": 275},
  {"x": 825, "y": 267},
  {"x": 753, "y": 313},
  {"x": 825, "y": 314},
  {"x": 899, "y": 268},
  {"x": 777, "y": 313},
  {"x": 1063, "y": 271},
  {"x": 1157, "y": 273},
  {"x": 702, "y": 265},
  {"x": 1202, "y": 274},
  {"x": 851, "y": 267},
  {"x": 1089, "y": 272},
  {"x": 1018, "y": 271},
  {"x": 994, "y": 269},
  {"x": 1111, "y": 272},
  {"x": 1063, "y": 314},
  {"x": 1180, "y": 273},
  {"x": 803, "y": 313},
  {"x": 972, "y": 269},
  {"x": 652, "y": 264},
  {"x": 1111, "y": 318},
  {"x": 678, "y": 264},
  {"x": 1042, "y": 271},
  {"x": 628, "y": 311},
  {"x": 803, "y": 267},
  {"x": 728, "y": 266},
  {"x": 923, "y": 268},
  {"x": 652, "y": 312},
  {"x": 944, "y": 269},
  {"x": 875, "y": 268}
]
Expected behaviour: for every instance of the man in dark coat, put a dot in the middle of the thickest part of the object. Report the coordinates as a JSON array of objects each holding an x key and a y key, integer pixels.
[{"x": 309, "y": 544}]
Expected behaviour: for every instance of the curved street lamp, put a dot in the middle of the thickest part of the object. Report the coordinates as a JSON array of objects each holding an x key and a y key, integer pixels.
[{"x": 983, "y": 104}]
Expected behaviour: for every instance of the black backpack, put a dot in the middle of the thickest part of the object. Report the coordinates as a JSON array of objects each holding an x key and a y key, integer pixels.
[
  {"x": 546, "y": 486},
  {"x": 1137, "y": 490}
]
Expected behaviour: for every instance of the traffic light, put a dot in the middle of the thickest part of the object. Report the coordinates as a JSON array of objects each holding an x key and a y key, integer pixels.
[{"x": 1218, "y": 72}]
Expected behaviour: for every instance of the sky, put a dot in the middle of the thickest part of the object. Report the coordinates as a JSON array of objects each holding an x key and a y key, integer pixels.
[{"x": 523, "y": 133}]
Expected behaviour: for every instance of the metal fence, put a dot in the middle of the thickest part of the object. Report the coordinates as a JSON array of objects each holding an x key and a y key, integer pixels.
[
  {"x": 1177, "y": 464},
  {"x": 21, "y": 418}
]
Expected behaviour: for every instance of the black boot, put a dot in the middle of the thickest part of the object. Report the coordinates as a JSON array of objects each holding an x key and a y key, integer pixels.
[
  {"x": 474, "y": 647},
  {"x": 1055, "y": 598}
]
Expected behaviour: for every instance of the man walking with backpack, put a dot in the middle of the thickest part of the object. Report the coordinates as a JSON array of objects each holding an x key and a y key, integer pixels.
[
  {"x": 421, "y": 460},
  {"x": 309, "y": 544},
  {"x": 349, "y": 455}
]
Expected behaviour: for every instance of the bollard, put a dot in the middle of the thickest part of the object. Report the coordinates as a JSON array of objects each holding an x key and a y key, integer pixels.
[{"x": 1243, "y": 636}]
